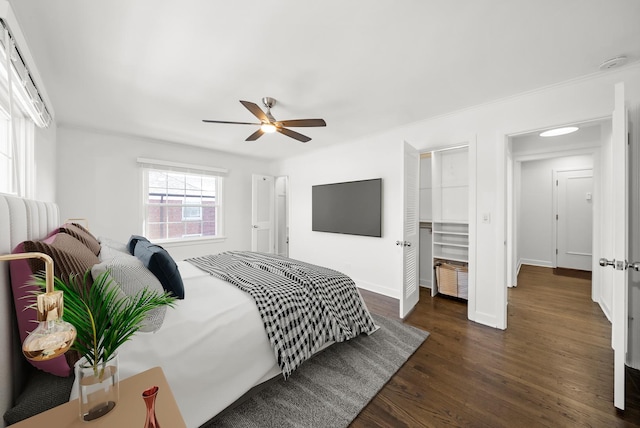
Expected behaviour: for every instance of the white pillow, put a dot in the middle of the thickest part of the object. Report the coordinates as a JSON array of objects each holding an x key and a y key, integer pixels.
[
  {"x": 132, "y": 276},
  {"x": 109, "y": 248}
]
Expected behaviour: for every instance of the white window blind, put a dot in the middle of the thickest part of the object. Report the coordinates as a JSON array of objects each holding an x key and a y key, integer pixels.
[{"x": 22, "y": 88}]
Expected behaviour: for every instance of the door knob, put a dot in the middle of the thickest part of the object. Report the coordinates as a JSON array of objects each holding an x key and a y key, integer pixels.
[
  {"x": 403, "y": 243},
  {"x": 398, "y": 242},
  {"x": 605, "y": 262},
  {"x": 255, "y": 226},
  {"x": 635, "y": 266}
]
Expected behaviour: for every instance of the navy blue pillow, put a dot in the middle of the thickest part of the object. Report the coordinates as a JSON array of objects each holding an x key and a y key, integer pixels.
[
  {"x": 162, "y": 265},
  {"x": 131, "y": 245}
]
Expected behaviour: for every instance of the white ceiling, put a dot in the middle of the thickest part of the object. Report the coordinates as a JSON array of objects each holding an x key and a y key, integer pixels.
[{"x": 156, "y": 68}]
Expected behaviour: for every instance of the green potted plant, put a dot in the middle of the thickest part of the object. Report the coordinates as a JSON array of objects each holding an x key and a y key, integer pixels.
[{"x": 104, "y": 319}]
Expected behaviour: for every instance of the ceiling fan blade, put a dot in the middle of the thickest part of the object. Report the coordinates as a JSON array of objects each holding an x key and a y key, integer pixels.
[
  {"x": 293, "y": 134},
  {"x": 255, "y": 135},
  {"x": 302, "y": 122},
  {"x": 257, "y": 111},
  {"x": 232, "y": 123}
]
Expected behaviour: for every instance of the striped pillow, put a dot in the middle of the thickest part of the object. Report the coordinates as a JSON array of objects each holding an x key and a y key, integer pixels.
[
  {"x": 82, "y": 235},
  {"x": 132, "y": 276}
]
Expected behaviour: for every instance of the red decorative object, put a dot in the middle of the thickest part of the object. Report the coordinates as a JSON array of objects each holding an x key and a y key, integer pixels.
[{"x": 149, "y": 397}]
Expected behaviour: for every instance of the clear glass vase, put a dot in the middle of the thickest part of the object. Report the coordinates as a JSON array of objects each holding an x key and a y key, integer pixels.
[{"x": 98, "y": 387}]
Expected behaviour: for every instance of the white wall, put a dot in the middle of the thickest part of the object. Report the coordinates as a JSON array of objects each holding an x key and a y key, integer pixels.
[
  {"x": 374, "y": 263},
  {"x": 536, "y": 240},
  {"x": 99, "y": 179},
  {"x": 485, "y": 128}
]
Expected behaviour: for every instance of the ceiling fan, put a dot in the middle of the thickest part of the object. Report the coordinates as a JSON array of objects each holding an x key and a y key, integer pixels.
[{"x": 269, "y": 124}]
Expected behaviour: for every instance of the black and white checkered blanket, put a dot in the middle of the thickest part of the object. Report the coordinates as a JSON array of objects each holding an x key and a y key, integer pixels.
[{"x": 302, "y": 306}]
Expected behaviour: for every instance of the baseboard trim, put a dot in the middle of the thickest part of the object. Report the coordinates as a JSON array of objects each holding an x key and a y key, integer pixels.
[
  {"x": 533, "y": 262},
  {"x": 376, "y": 288}
]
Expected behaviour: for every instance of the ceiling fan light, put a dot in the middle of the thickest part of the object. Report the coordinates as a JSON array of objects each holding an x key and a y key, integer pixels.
[
  {"x": 268, "y": 128},
  {"x": 559, "y": 131}
]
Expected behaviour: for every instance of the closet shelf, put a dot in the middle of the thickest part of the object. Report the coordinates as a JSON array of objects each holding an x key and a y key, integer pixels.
[
  {"x": 442, "y": 232},
  {"x": 450, "y": 244},
  {"x": 450, "y": 258}
]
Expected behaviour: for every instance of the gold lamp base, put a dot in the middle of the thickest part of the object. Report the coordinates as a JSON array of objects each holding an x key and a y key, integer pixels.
[{"x": 53, "y": 336}]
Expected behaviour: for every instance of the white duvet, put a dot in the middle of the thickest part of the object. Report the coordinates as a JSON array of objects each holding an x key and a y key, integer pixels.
[{"x": 212, "y": 347}]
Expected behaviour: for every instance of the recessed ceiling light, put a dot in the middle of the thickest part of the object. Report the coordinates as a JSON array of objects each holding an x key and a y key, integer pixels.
[
  {"x": 613, "y": 62},
  {"x": 559, "y": 131}
]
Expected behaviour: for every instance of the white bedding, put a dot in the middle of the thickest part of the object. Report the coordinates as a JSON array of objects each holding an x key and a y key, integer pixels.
[{"x": 196, "y": 343}]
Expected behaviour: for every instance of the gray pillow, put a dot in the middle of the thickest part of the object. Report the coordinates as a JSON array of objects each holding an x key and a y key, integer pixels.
[
  {"x": 132, "y": 276},
  {"x": 133, "y": 241}
]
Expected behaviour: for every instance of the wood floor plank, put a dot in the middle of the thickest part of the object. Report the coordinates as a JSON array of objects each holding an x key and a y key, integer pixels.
[{"x": 552, "y": 367}]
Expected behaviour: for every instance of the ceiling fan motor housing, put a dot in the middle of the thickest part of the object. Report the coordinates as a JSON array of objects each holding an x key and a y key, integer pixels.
[{"x": 268, "y": 102}]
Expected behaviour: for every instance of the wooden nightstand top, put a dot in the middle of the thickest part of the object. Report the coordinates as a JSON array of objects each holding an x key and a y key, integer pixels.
[{"x": 129, "y": 412}]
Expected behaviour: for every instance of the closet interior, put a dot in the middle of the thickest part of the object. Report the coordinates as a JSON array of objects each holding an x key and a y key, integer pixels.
[{"x": 444, "y": 222}]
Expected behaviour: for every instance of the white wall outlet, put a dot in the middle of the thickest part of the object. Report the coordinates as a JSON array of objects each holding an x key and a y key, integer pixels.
[{"x": 486, "y": 218}]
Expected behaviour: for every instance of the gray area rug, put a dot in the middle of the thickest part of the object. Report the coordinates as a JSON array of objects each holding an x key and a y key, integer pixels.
[{"x": 333, "y": 387}]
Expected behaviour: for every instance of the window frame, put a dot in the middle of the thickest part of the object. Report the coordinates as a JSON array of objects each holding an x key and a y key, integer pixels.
[{"x": 218, "y": 174}]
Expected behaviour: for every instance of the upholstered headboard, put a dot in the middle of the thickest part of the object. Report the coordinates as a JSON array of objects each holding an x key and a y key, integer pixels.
[{"x": 20, "y": 220}]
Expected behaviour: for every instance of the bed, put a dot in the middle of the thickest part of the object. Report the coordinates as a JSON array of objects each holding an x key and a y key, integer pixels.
[{"x": 226, "y": 352}]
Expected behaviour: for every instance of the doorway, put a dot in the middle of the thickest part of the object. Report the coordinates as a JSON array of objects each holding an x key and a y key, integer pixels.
[
  {"x": 270, "y": 214},
  {"x": 554, "y": 186}
]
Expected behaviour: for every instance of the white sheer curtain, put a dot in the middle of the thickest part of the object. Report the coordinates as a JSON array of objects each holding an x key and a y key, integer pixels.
[{"x": 22, "y": 140}]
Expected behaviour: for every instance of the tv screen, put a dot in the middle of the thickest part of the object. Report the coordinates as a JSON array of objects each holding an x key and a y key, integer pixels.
[{"x": 354, "y": 207}]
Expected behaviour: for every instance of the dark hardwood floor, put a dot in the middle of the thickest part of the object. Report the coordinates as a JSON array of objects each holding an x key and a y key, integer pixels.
[{"x": 552, "y": 367}]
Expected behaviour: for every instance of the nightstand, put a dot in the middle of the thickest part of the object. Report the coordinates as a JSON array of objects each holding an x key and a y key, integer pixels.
[{"x": 129, "y": 412}]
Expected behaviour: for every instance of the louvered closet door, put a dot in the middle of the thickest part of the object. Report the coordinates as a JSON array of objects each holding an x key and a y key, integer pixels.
[{"x": 410, "y": 253}]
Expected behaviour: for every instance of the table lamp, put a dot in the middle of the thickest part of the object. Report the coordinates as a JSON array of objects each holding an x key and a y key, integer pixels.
[{"x": 53, "y": 336}]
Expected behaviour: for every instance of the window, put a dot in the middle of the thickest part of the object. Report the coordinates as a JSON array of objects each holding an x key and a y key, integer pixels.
[
  {"x": 6, "y": 156},
  {"x": 21, "y": 108},
  {"x": 181, "y": 202}
]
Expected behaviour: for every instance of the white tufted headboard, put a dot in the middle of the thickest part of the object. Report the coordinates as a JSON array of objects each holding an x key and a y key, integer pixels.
[{"x": 20, "y": 220}]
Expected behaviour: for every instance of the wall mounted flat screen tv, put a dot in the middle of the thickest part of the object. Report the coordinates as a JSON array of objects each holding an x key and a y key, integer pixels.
[{"x": 353, "y": 208}]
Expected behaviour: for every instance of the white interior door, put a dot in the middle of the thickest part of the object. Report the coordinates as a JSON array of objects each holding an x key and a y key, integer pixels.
[
  {"x": 282, "y": 216},
  {"x": 619, "y": 229},
  {"x": 262, "y": 213},
  {"x": 410, "y": 240},
  {"x": 574, "y": 218}
]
